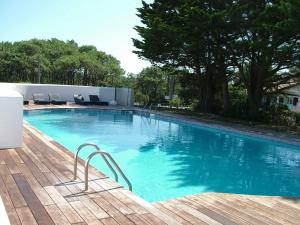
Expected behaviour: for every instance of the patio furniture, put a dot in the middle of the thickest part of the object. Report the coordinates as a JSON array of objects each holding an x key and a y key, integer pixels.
[
  {"x": 94, "y": 100},
  {"x": 78, "y": 99},
  {"x": 25, "y": 102},
  {"x": 40, "y": 99},
  {"x": 56, "y": 100}
]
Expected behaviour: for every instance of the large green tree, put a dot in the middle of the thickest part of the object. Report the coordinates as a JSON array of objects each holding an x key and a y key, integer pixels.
[
  {"x": 214, "y": 39},
  {"x": 151, "y": 82},
  {"x": 266, "y": 45},
  {"x": 59, "y": 62}
]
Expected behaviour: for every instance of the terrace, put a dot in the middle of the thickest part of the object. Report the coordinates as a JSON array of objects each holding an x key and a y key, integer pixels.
[{"x": 37, "y": 187}]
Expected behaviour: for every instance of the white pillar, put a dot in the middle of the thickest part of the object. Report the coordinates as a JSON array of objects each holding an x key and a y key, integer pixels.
[{"x": 11, "y": 119}]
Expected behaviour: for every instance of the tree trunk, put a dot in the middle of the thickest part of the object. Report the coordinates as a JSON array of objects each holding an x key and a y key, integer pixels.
[
  {"x": 254, "y": 104},
  {"x": 209, "y": 92},
  {"x": 255, "y": 91},
  {"x": 226, "y": 98}
]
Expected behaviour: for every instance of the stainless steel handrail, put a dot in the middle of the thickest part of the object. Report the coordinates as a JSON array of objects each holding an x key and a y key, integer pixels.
[
  {"x": 103, "y": 154},
  {"x": 97, "y": 150},
  {"x": 145, "y": 106}
]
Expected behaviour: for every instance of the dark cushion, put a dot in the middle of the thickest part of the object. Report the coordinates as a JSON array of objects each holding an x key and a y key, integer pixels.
[
  {"x": 94, "y": 98},
  {"x": 78, "y": 98}
]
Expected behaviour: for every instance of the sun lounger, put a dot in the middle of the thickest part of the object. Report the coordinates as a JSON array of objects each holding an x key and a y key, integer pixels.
[
  {"x": 55, "y": 99},
  {"x": 25, "y": 102},
  {"x": 40, "y": 99},
  {"x": 78, "y": 99},
  {"x": 94, "y": 100}
]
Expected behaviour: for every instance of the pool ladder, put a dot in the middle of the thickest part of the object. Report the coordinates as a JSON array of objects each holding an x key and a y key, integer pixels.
[
  {"x": 147, "y": 106},
  {"x": 108, "y": 159}
]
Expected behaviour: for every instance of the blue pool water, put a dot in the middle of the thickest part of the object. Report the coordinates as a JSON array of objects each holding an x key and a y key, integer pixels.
[{"x": 166, "y": 158}]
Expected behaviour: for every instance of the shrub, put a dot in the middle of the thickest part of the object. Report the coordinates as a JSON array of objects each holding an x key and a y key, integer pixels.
[
  {"x": 141, "y": 98},
  {"x": 280, "y": 114},
  {"x": 194, "y": 105},
  {"x": 175, "y": 102},
  {"x": 239, "y": 106}
]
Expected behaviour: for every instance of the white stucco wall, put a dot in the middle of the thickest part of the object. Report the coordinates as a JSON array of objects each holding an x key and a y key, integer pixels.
[
  {"x": 125, "y": 96},
  {"x": 66, "y": 92},
  {"x": 11, "y": 119},
  {"x": 106, "y": 94}
]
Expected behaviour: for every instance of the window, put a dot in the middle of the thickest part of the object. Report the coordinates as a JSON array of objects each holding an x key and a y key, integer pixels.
[
  {"x": 281, "y": 99},
  {"x": 295, "y": 101}
]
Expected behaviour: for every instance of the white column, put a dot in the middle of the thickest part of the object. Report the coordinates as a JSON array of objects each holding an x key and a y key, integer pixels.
[{"x": 11, "y": 119}]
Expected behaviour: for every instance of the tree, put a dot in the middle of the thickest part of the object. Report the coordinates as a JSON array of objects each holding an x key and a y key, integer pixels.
[
  {"x": 214, "y": 39},
  {"x": 187, "y": 35},
  {"x": 56, "y": 61},
  {"x": 266, "y": 45},
  {"x": 151, "y": 82}
]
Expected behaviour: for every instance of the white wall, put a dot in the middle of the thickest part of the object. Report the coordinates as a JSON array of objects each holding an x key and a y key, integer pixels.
[
  {"x": 106, "y": 94},
  {"x": 66, "y": 91},
  {"x": 11, "y": 119},
  {"x": 125, "y": 96}
]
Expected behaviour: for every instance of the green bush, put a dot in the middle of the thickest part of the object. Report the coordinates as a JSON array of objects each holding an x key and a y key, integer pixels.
[
  {"x": 195, "y": 105},
  {"x": 175, "y": 102},
  {"x": 239, "y": 106},
  {"x": 280, "y": 115},
  {"x": 141, "y": 98}
]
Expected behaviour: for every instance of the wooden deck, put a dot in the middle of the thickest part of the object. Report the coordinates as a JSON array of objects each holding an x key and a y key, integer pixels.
[
  {"x": 36, "y": 188},
  {"x": 218, "y": 208}
]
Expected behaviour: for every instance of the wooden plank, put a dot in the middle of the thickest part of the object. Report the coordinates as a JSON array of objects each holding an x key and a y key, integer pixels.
[
  {"x": 210, "y": 213},
  {"x": 220, "y": 210},
  {"x": 150, "y": 218},
  {"x": 182, "y": 213},
  {"x": 2, "y": 158},
  {"x": 14, "y": 155},
  {"x": 137, "y": 219},
  {"x": 56, "y": 215},
  {"x": 11, "y": 186},
  {"x": 69, "y": 213},
  {"x": 25, "y": 216},
  {"x": 93, "y": 207},
  {"x": 55, "y": 195},
  {"x": 236, "y": 211},
  {"x": 150, "y": 208},
  {"x": 38, "y": 210},
  {"x": 112, "y": 211},
  {"x": 248, "y": 210},
  {"x": 36, "y": 187},
  {"x": 109, "y": 221},
  {"x": 85, "y": 213},
  {"x": 134, "y": 206},
  {"x": 264, "y": 210},
  {"x": 34, "y": 170},
  {"x": 170, "y": 212},
  {"x": 9, "y": 206},
  {"x": 10, "y": 163}
]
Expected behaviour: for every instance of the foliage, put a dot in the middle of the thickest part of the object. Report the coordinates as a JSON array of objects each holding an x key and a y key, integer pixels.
[
  {"x": 59, "y": 62},
  {"x": 238, "y": 107},
  {"x": 151, "y": 82},
  {"x": 212, "y": 40},
  {"x": 280, "y": 115},
  {"x": 176, "y": 102},
  {"x": 141, "y": 98}
]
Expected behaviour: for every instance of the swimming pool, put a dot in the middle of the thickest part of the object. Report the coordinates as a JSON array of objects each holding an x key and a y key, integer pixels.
[{"x": 166, "y": 158}]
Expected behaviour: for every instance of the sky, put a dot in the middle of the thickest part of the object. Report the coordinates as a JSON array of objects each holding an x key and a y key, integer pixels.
[{"x": 106, "y": 24}]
